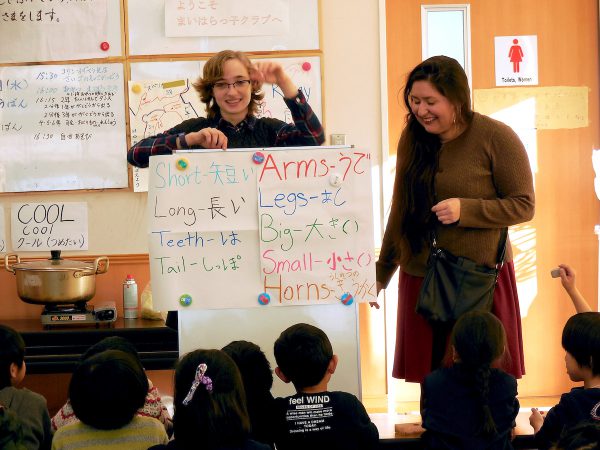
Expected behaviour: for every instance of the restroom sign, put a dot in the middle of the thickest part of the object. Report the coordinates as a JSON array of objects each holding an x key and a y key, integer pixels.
[{"x": 516, "y": 60}]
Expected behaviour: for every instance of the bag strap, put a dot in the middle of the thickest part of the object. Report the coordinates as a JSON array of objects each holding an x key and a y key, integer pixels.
[{"x": 500, "y": 254}]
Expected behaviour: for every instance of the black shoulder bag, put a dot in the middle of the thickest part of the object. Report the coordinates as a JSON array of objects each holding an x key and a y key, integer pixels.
[{"x": 454, "y": 285}]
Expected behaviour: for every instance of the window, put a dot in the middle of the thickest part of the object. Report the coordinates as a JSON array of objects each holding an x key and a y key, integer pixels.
[{"x": 446, "y": 31}]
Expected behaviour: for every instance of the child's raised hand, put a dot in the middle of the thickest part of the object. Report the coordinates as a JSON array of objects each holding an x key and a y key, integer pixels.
[
  {"x": 567, "y": 276},
  {"x": 536, "y": 419}
]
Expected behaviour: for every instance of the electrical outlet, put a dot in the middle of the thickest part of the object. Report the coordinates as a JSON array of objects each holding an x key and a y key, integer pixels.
[{"x": 338, "y": 139}]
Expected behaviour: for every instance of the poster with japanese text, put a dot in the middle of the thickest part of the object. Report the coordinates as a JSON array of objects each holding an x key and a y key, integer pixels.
[
  {"x": 59, "y": 30},
  {"x": 228, "y": 232},
  {"x": 62, "y": 127}
]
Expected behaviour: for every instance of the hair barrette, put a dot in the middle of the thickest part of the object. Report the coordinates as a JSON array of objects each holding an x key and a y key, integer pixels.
[{"x": 199, "y": 379}]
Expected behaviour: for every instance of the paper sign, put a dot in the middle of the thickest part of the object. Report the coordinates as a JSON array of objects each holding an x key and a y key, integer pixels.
[
  {"x": 297, "y": 227},
  {"x": 226, "y": 17},
  {"x": 49, "y": 226},
  {"x": 553, "y": 107},
  {"x": 62, "y": 127},
  {"x": 516, "y": 60}
]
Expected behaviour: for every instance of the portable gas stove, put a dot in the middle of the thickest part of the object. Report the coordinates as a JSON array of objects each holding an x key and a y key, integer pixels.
[{"x": 79, "y": 313}]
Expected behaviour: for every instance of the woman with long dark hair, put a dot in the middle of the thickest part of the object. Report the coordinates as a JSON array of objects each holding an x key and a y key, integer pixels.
[{"x": 466, "y": 177}]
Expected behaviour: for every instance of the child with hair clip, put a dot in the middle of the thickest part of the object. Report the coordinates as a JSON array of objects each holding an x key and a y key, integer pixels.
[
  {"x": 471, "y": 404},
  {"x": 581, "y": 341},
  {"x": 210, "y": 405},
  {"x": 257, "y": 377}
]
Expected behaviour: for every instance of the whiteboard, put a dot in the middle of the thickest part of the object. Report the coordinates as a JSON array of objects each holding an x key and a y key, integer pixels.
[
  {"x": 216, "y": 328},
  {"x": 146, "y": 24},
  {"x": 170, "y": 106},
  {"x": 227, "y": 232},
  {"x": 63, "y": 127},
  {"x": 41, "y": 30}
]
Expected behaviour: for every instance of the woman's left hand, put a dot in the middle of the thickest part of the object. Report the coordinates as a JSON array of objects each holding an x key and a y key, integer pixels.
[{"x": 447, "y": 211}]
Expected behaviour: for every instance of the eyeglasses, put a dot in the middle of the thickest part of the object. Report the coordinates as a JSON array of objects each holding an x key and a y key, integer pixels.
[{"x": 239, "y": 84}]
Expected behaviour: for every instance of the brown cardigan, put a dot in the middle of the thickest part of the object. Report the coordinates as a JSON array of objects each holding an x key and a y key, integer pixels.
[{"x": 487, "y": 168}]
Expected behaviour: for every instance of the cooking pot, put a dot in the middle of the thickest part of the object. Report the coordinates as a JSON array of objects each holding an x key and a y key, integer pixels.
[{"x": 56, "y": 281}]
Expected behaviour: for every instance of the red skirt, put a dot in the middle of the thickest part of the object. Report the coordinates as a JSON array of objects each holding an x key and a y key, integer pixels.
[{"x": 415, "y": 336}]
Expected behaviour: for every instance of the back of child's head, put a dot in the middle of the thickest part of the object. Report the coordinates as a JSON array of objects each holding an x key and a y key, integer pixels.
[
  {"x": 303, "y": 353},
  {"x": 107, "y": 389},
  {"x": 11, "y": 431},
  {"x": 111, "y": 343},
  {"x": 253, "y": 365},
  {"x": 581, "y": 338},
  {"x": 12, "y": 351},
  {"x": 583, "y": 436},
  {"x": 210, "y": 406},
  {"x": 479, "y": 339}
]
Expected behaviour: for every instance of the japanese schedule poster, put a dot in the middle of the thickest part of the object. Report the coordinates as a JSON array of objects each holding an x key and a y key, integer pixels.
[{"x": 261, "y": 228}]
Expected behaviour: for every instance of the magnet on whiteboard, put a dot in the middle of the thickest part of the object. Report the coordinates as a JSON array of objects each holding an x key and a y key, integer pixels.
[
  {"x": 136, "y": 88},
  {"x": 306, "y": 66},
  {"x": 264, "y": 299},
  {"x": 185, "y": 300},
  {"x": 258, "y": 157},
  {"x": 104, "y": 46},
  {"x": 182, "y": 164},
  {"x": 335, "y": 179},
  {"x": 347, "y": 299}
]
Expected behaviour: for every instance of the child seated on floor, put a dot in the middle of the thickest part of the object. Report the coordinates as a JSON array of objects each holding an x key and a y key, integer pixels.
[
  {"x": 258, "y": 381},
  {"x": 210, "y": 405},
  {"x": 581, "y": 341},
  {"x": 471, "y": 405},
  {"x": 29, "y": 407},
  {"x": 105, "y": 391},
  {"x": 153, "y": 406},
  {"x": 315, "y": 418}
]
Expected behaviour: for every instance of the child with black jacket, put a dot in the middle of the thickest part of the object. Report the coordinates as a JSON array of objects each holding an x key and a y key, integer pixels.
[{"x": 316, "y": 418}]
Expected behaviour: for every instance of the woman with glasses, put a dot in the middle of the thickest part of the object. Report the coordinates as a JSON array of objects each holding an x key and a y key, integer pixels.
[{"x": 230, "y": 87}]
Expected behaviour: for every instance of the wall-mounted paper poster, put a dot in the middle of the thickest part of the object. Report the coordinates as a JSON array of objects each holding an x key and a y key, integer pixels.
[
  {"x": 2, "y": 231},
  {"x": 227, "y": 18},
  {"x": 49, "y": 226},
  {"x": 227, "y": 230},
  {"x": 146, "y": 22},
  {"x": 516, "y": 60},
  {"x": 161, "y": 96},
  {"x": 63, "y": 127},
  {"x": 59, "y": 30}
]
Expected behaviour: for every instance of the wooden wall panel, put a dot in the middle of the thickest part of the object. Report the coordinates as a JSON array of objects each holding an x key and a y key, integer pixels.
[{"x": 566, "y": 207}]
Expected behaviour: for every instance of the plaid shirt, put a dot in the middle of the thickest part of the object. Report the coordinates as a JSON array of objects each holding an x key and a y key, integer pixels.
[{"x": 250, "y": 133}]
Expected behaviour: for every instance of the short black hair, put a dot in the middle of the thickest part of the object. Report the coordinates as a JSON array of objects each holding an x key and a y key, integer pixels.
[
  {"x": 581, "y": 338},
  {"x": 303, "y": 353},
  {"x": 107, "y": 389},
  {"x": 111, "y": 343},
  {"x": 12, "y": 351},
  {"x": 253, "y": 364},
  {"x": 214, "y": 418}
]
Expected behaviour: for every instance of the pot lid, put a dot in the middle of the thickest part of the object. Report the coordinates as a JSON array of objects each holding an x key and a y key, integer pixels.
[{"x": 53, "y": 264}]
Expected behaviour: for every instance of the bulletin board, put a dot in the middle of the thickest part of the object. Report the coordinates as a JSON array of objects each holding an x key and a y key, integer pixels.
[{"x": 64, "y": 99}]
